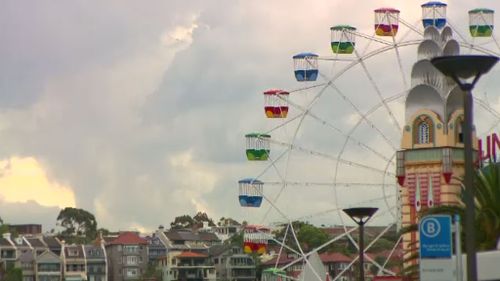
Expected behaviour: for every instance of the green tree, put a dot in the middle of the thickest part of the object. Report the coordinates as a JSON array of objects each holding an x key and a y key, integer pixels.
[
  {"x": 487, "y": 207},
  {"x": 308, "y": 236},
  {"x": 14, "y": 274},
  {"x": 79, "y": 225},
  {"x": 202, "y": 217},
  {"x": 235, "y": 240},
  {"x": 103, "y": 231},
  {"x": 180, "y": 222},
  {"x": 151, "y": 273},
  {"x": 227, "y": 221}
]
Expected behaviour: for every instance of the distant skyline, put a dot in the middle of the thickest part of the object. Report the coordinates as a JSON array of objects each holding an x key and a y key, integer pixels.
[{"x": 136, "y": 111}]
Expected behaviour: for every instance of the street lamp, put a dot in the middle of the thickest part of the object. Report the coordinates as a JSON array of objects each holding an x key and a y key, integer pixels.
[
  {"x": 461, "y": 68},
  {"x": 361, "y": 216}
]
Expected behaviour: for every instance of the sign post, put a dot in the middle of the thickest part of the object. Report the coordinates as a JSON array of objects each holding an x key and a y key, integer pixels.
[{"x": 436, "y": 249}]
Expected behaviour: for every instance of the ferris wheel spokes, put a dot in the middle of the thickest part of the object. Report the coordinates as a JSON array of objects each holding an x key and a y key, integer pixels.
[
  {"x": 379, "y": 93},
  {"x": 338, "y": 130}
]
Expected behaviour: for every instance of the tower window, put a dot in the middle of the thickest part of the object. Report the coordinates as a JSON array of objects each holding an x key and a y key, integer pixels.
[{"x": 423, "y": 133}]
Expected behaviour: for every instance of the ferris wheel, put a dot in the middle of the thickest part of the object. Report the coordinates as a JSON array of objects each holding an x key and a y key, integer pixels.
[{"x": 331, "y": 141}]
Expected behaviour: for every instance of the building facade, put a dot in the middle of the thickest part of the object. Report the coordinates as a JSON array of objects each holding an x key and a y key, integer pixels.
[
  {"x": 48, "y": 267},
  {"x": 186, "y": 266},
  {"x": 74, "y": 263},
  {"x": 432, "y": 150},
  {"x": 97, "y": 264},
  {"x": 127, "y": 257},
  {"x": 232, "y": 264}
]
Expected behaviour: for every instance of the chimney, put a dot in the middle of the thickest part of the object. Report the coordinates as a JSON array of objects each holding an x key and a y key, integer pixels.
[{"x": 6, "y": 236}]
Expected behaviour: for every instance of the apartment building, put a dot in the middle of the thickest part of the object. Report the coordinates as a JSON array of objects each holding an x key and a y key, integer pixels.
[{"x": 127, "y": 257}]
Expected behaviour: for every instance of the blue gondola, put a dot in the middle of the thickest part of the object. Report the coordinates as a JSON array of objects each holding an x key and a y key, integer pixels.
[
  {"x": 306, "y": 67},
  {"x": 250, "y": 192},
  {"x": 434, "y": 14}
]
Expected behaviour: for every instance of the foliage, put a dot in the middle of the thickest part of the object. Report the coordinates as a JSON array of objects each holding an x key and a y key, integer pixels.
[
  {"x": 235, "y": 240},
  {"x": 308, "y": 236},
  {"x": 227, "y": 222},
  {"x": 487, "y": 203},
  {"x": 4, "y": 228},
  {"x": 186, "y": 221},
  {"x": 151, "y": 273},
  {"x": 14, "y": 274},
  {"x": 79, "y": 225},
  {"x": 201, "y": 217},
  {"x": 103, "y": 231}
]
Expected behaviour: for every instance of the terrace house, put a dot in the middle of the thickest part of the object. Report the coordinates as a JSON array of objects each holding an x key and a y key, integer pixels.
[
  {"x": 97, "y": 264},
  {"x": 8, "y": 251},
  {"x": 26, "y": 262},
  {"x": 48, "y": 267},
  {"x": 74, "y": 262}
]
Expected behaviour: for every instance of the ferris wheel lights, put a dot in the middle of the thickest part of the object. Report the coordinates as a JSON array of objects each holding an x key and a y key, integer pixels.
[{"x": 481, "y": 22}]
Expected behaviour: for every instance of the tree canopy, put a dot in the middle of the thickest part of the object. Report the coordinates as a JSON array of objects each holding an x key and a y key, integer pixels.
[
  {"x": 308, "y": 235},
  {"x": 186, "y": 221},
  {"x": 80, "y": 226}
]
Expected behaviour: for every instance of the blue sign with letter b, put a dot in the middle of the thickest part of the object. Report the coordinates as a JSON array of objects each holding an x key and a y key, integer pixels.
[{"x": 435, "y": 237}]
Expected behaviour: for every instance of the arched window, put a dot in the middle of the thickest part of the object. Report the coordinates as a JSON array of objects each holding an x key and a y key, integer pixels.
[
  {"x": 423, "y": 133},
  {"x": 423, "y": 130}
]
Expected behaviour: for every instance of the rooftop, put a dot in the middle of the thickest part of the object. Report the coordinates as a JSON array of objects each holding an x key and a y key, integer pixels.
[{"x": 128, "y": 238}]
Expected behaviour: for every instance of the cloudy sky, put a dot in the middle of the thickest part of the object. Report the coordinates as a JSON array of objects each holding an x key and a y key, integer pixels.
[{"x": 136, "y": 110}]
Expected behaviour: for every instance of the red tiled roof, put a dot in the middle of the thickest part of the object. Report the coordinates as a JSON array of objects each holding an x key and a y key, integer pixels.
[
  {"x": 334, "y": 257},
  {"x": 128, "y": 238},
  {"x": 187, "y": 254},
  {"x": 396, "y": 255}
]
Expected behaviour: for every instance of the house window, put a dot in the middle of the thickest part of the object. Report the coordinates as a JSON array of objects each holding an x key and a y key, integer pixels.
[
  {"x": 423, "y": 130},
  {"x": 131, "y": 248},
  {"x": 131, "y": 272},
  {"x": 72, "y": 252},
  {"x": 130, "y": 260}
]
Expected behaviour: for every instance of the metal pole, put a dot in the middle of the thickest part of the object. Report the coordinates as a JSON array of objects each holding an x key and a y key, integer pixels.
[
  {"x": 470, "y": 237},
  {"x": 361, "y": 252},
  {"x": 458, "y": 248}
]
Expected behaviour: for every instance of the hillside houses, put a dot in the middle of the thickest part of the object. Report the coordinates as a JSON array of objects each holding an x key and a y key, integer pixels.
[{"x": 164, "y": 255}]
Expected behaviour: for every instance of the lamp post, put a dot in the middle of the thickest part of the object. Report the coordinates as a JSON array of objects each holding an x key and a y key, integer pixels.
[
  {"x": 360, "y": 216},
  {"x": 461, "y": 68}
]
